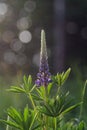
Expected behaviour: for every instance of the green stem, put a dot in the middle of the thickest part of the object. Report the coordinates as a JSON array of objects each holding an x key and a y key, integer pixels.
[
  {"x": 55, "y": 123},
  {"x": 7, "y": 126},
  {"x": 46, "y": 94},
  {"x": 58, "y": 91},
  {"x": 46, "y": 123},
  {"x": 30, "y": 97},
  {"x": 33, "y": 121},
  {"x": 45, "y": 116},
  {"x": 82, "y": 99}
]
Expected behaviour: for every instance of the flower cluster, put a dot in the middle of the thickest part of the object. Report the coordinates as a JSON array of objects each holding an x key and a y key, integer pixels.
[{"x": 44, "y": 76}]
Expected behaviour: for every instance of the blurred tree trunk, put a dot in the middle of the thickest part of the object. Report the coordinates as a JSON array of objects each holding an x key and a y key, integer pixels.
[{"x": 59, "y": 35}]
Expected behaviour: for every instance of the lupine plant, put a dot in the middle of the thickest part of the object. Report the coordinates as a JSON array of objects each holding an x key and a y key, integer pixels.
[{"x": 50, "y": 105}]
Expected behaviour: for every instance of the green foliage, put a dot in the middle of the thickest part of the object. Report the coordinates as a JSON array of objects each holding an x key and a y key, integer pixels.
[
  {"x": 57, "y": 107},
  {"x": 48, "y": 112},
  {"x": 72, "y": 126},
  {"x": 22, "y": 121},
  {"x": 26, "y": 87},
  {"x": 60, "y": 78}
]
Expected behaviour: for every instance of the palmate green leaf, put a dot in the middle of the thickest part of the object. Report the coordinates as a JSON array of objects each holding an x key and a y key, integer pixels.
[
  {"x": 33, "y": 123},
  {"x": 68, "y": 126},
  {"x": 81, "y": 126},
  {"x": 51, "y": 108},
  {"x": 70, "y": 108},
  {"x": 45, "y": 110},
  {"x": 49, "y": 88},
  {"x": 27, "y": 82},
  {"x": 60, "y": 78},
  {"x": 36, "y": 97},
  {"x": 26, "y": 113},
  {"x": 11, "y": 123},
  {"x": 41, "y": 92},
  {"x": 71, "y": 125},
  {"x": 65, "y": 75},
  {"x": 36, "y": 127},
  {"x": 26, "y": 87},
  {"x": 15, "y": 115},
  {"x": 26, "y": 120},
  {"x": 16, "y": 89},
  {"x": 29, "y": 118},
  {"x": 57, "y": 107}
]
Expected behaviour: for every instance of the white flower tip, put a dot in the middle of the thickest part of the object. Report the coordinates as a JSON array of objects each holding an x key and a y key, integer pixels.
[{"x": 43, "y": 44}]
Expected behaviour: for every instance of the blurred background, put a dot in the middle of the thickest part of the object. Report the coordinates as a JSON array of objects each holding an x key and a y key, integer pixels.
[{"x": 65, "y": 24}]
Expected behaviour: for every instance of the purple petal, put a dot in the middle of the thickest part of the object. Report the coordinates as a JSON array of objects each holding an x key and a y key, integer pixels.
[{"x": 37, "y": 82}]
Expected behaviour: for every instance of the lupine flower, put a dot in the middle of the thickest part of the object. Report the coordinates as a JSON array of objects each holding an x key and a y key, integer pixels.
[{"x": 44, "y": 76}]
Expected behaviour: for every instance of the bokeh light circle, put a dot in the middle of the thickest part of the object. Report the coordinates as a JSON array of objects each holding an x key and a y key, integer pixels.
[
  {"x": 24, "y": 23},
  {"x": 3, "y": 8},
  {"x": 30, "y": 6},
  {"x": 8, "y": 36},
  {"x": 9, "y": 57},
  {"x": 25, "y": 36},
  {"x": 16, "y": 45}
]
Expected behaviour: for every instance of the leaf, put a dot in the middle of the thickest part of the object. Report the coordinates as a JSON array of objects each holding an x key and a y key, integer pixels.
[
  {"x": 37, "y": 126},
  {"x": 26, "y": 113},
  {"x": 36, "y": 97},
  {"x": 82, "y": 99},
  {"x": 32, "y": 88},
  {"x": 81, "y": 125},
  {"x": 65, "y": 75},
  {"x": 70, "y": 108},
  {"x": 26, "y": 85},
  {"x": 26, "y": 120},
  {"x": 15, "y": 115},
  {"x": 45, "y": 111},
  {"x": 33, "y": 119},
  {"x": 60, "y": 78},
  {"x": 25, "y": 81},
  {"x": 11, "y": 123},
  {"x": 41, "y": 92},
  {"x": 16, "y": 89},
  {"x": 29, "y": 80},
  {"x": 49, "y": 88}
]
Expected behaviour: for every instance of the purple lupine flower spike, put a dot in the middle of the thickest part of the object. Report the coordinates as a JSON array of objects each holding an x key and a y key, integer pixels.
[{"x": 44, "y": 76}]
